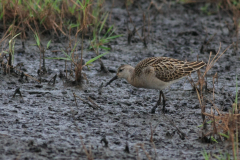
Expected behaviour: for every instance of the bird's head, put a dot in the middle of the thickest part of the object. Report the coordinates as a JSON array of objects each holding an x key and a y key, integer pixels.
[{"x": 124, "y": 71}]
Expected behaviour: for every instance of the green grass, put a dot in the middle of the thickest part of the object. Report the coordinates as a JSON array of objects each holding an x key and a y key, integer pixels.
[
  {"x": 221, "y": 156},
  {"x": 56, "y": 15},
  {"x": 232, "y": 134},
  {"x": 99, "y": 41},
  {"x": 71, "y": 18},
  {"x": 206, "y": 155},
  {"x": 69, "y": 58},
  {"x": 11, "y": 43}
]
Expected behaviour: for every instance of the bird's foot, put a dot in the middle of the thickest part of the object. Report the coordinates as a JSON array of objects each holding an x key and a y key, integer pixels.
[
  {"x": 164, "y": 110},
  {"x": 153, "y": 110}
]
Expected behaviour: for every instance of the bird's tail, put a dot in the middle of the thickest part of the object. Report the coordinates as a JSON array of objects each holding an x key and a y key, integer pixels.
[{"x": 193, "y": 66}]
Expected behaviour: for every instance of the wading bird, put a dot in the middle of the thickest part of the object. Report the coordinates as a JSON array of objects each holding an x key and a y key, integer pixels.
[{"x": 157, "y": 73}]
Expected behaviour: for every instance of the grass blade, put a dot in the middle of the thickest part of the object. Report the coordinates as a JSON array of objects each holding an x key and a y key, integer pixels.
[
  {"x": 58, "y": 58},
  {"x": 113, "y": 37},
  {"x": 95, "y": 58},
  {"x": 37, "y": 39},
  {"x": 104, "y": 21},
  {"x": 48, "y": 44},
  {"x": 66, "y": 54}
]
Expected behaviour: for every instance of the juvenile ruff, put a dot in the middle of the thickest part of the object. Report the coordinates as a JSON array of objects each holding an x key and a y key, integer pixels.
[{"x": 156, "y": 73}]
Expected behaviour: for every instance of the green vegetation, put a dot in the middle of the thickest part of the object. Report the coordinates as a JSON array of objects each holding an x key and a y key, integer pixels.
[
  {"x": 205, "y": 9},
  {"x": 226, "y": 125},
  {"x": 45, "y": 14},
  {"x": 42, "y": 51},
  {"x": 69, "y": 58},
  {"x": 11, "y": 50},
  {"x": 99, "y": 41},
  {"x": 69, "y": 18},
  {"x": 206, "y": 155}
]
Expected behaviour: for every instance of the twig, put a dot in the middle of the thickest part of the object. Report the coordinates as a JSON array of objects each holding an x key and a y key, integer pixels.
[
  {"x": 94, "y": 103},
  {"x": 17, "y": 91},
  {"x": 94, "y": 107},
  {"x": 180, "y": 133},
  {"x": 53, "y": 79}
]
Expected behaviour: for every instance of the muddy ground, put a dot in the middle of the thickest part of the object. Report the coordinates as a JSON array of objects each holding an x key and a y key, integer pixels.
[{"x": 47, "y": 124}]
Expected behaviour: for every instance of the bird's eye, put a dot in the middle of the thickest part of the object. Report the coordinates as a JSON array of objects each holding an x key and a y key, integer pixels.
[{"x": 120, "y": 70}]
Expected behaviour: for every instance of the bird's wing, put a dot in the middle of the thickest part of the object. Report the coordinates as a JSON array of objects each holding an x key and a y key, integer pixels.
[
  {"x": 169, "y": 69},
  {"x": 141, "y": 66}
]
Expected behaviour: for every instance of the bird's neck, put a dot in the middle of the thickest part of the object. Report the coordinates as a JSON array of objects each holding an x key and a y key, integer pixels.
[{"x": 131, "y": 76}]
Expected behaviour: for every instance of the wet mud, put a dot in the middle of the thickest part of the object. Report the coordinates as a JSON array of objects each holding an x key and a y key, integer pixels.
[{"x": 47, "y": 122}]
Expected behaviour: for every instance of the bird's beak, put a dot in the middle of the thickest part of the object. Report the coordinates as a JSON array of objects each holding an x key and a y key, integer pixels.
[{"x": 114, "y": 78}]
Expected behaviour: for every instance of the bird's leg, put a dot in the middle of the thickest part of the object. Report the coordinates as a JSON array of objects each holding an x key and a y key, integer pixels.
[
  {"x": 164, "y": 101},
  {"x": 158, "y": 103}
]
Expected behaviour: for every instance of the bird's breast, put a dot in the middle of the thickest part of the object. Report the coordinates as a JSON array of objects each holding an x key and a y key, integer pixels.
[{"x": 149, "y": 82}]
